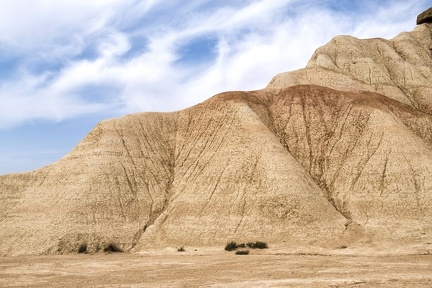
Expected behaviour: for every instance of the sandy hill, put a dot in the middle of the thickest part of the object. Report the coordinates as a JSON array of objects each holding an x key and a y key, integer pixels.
[{"x": 337, "y": 153}]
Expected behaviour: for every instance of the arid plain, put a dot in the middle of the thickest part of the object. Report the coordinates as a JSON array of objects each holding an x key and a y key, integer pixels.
[{"x": 214, "y": 267}]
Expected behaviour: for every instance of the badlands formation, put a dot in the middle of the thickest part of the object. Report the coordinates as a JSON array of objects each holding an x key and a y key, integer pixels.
[{"x": 337, "y": 153}]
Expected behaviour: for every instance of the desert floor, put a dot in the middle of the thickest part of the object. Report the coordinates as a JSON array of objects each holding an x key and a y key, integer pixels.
[{"x": 214, "y": 267}]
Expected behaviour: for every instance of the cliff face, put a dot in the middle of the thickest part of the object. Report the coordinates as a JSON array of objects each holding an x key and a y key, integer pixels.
[{"x": 338, "y": 152}]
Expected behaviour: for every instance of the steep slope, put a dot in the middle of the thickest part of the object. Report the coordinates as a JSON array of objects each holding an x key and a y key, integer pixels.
[
  {"x": 107, "y": 189},
  {"x": 300, "y": 164},
  {"x": 371, "y": 154},
  {"x": 234, "y": 180},
  {"x": 399, "y": 68},
  {"x": 199, "y": 176}
]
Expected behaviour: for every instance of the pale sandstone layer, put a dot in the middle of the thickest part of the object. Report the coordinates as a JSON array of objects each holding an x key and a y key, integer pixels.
[{"x": 302, "y": 164}]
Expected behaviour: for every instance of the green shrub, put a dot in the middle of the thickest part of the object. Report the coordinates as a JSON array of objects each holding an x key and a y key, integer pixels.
[
  {"x": 242, "y": 252},
  {"x": 112, "y": 247},
  {"x": 231, "y": 246}
]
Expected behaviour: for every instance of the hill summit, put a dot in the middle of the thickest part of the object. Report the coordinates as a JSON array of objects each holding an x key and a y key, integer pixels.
[{"x": 339, "y": 152}]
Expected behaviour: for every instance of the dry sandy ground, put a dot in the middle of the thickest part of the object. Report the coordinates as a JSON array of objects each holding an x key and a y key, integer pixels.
[{"x": 218, "y": 268}]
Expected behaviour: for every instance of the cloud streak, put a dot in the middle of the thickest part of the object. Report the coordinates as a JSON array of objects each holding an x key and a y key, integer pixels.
[{"x": 76, "y": 58}]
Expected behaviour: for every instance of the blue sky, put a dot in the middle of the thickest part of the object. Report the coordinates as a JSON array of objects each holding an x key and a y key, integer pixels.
[{"x": 66, "y": 65}]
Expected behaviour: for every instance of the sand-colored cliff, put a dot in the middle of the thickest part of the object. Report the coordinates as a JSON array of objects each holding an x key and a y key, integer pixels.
[{"x": 338, "y": 152}]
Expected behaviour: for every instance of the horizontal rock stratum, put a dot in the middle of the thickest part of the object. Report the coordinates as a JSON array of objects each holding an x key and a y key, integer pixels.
[{"x": 338, "y": 152}]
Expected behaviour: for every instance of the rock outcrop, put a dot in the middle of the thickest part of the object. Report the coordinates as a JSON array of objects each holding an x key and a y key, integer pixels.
[
  {"x": 338, "y": 152},
  {"x": 425, "y": 17}
]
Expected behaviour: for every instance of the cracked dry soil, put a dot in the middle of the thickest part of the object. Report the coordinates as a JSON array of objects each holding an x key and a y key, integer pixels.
[{"x": 216, "y": 268}]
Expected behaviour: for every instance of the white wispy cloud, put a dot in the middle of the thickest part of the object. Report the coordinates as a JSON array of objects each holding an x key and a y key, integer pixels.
[{"x": 80, "y": 57}]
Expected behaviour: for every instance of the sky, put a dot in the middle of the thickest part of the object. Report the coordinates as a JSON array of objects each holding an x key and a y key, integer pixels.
[{"x": 66, "y": 65}]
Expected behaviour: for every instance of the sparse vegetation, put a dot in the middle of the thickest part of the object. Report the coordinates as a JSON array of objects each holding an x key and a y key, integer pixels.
[
  {"x": 253, "y": 245},
  {"x": 231, "y": 246},
  {"x": 82, "y": 248},
  {"x": 242, "y": 252},
  {"x": 112, "y": 248},
  {"x": 181, "y": 249},
  {"x": 257, "y": 245}
]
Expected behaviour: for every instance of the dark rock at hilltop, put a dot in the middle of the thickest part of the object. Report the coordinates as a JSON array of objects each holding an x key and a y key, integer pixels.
[{"x": 425, "y": 17}]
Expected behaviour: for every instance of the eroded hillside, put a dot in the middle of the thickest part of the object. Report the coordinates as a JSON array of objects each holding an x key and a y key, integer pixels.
[
  {"x": 400, "y": 68},
  {"x": 300, "y": 164}
]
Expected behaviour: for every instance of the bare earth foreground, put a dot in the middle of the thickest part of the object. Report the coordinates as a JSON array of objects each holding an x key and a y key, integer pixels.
[{"x": 217, "y": 268}]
